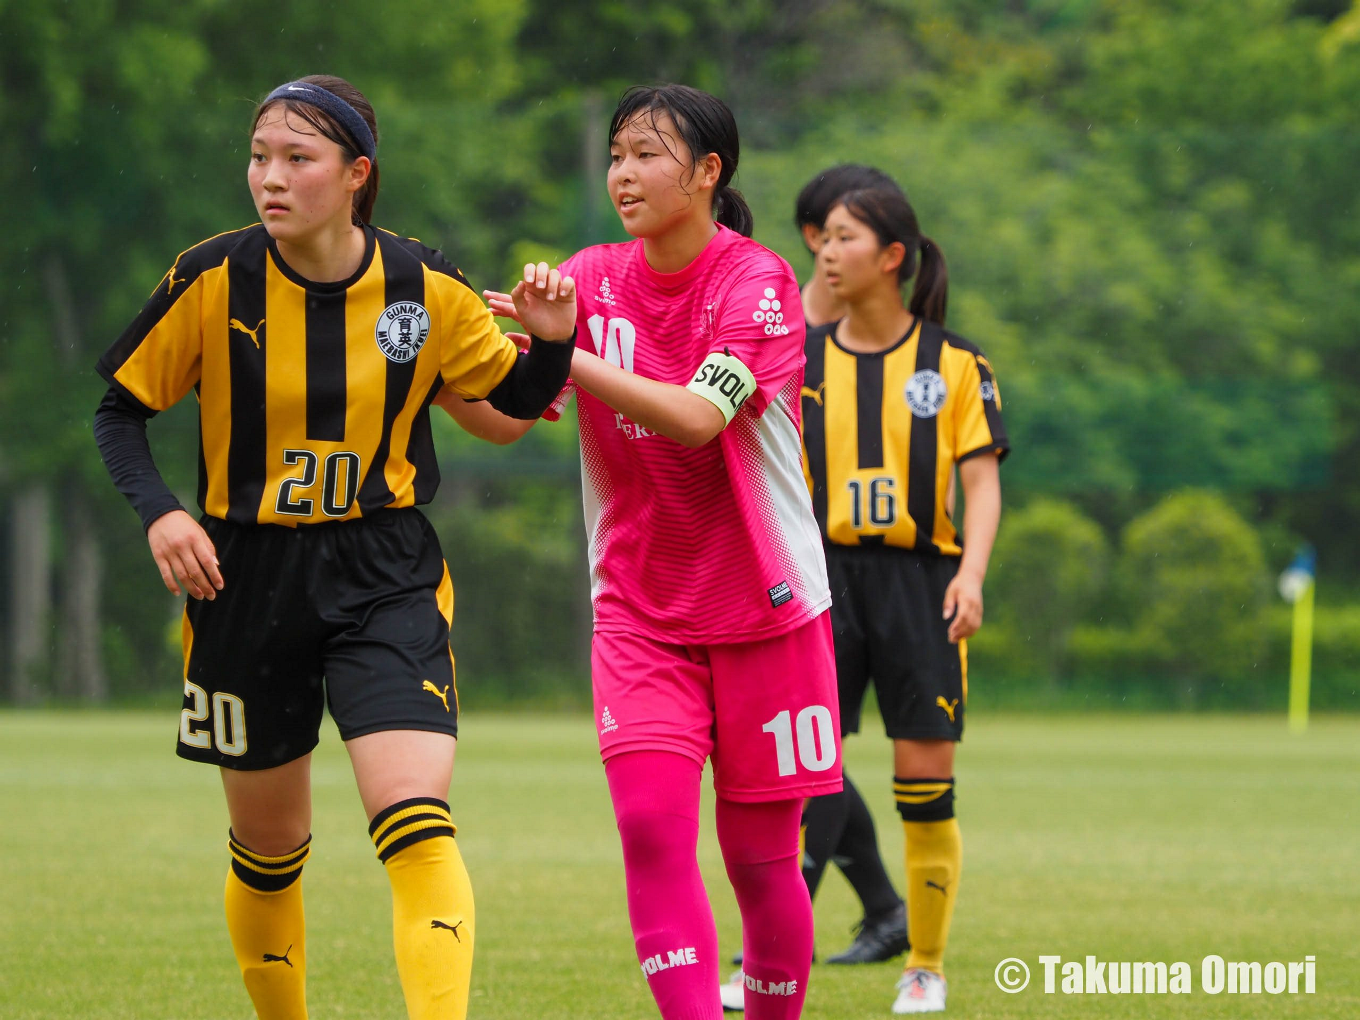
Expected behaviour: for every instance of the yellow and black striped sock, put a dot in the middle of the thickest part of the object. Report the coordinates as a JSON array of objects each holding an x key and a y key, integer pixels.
[
  {"x": 265, "y": 921},
  {"x": 432, "y": 915},
  {"x": 934, "y": 861}
]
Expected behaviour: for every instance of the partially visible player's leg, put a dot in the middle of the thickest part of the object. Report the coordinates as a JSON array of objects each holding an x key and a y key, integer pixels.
[
  {"x": 760, "y": 850},
  {"x": 654, "y": 713},
  {"x": 656, "y": 804},
  {"x": 924, "y": 789},
  {"x": 778, "y": 741},
  {"x": 270, "y": 840},
  {"x": 858, "y": 857},
  {"x": 855, "y": 620},
  {"x": 390, "y": 679},
  {"x": 934, "y": 851},
  {"x": 921, "y": 692},
  {"x": 403, "y": 778},
  {"x": 882, "y": 931},
  {"x": 825, "y": 817},
  {"x": 252, "y": 706},
  {"x": 824, "y": 821}
]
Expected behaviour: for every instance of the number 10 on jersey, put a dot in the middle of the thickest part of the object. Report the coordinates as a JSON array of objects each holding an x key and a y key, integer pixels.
[{"x": 813, "y": 737}]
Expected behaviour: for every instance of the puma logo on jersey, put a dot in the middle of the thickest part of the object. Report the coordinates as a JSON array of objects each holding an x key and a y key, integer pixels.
[
  {"x": 170, "y": 278},
  {"x": 948, "y": 706},
  {"x": 436, "y": 923},
  {"x": 816, "y": 394},
  {"x": 238, "y": 324},
  {"x": 271, "y": 958},
  {"x": 444, "y": 694}
]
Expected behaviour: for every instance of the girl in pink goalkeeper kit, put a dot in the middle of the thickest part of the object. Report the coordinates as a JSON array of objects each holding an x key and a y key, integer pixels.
[{"x": 711, "y": 633}]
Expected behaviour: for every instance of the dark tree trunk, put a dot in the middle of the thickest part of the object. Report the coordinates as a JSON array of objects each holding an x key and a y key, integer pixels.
[
  {"x": 30, "y": 592},
  {"x": 80, "y": 658}
]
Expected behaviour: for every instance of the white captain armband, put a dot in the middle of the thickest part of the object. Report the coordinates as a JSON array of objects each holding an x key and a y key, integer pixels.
[{"x": 724, "y": 382}]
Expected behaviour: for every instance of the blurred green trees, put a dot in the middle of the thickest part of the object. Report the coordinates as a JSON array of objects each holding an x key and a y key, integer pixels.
[
  {"x": 1148, "y": 211},
  {"x": 1194, "y": 586},
  {"x": 1049, "y": 565}
]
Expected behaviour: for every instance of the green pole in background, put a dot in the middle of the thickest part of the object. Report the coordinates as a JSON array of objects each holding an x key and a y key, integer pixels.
[{"x": 1297, "y": 584}]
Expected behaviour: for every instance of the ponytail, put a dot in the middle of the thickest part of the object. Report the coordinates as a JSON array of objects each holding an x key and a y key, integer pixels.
[
  {"x": 706, "y": 125},
  {"x": 930, "y": 295},
  {"x": 890, "y": 216},
  {"x": 730, "y": 209}
]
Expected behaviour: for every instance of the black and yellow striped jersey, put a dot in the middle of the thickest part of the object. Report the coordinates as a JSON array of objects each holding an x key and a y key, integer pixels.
[
  {"x": 882, "y": 433},
  {"x": 313, "y": 397}
]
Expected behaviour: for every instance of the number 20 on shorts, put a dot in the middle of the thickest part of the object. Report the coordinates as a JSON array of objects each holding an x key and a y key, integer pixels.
[
  {"x": 229, "y": 721},
  {"x": 813, "y": 735}
]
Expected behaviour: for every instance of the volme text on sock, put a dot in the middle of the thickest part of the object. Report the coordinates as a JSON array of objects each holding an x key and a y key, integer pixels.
[
  {"x": 654, "y": 965},
  {"x": 771, "y": 987}
]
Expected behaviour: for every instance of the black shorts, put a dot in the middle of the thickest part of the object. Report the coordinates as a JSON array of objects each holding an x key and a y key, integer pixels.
[
  {"x": 355, "y": 613},
  {"x": 886, "y": 616}
]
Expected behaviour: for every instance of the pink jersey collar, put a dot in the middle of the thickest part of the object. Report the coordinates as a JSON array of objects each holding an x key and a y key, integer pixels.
[{"x": 672, "y": 282}]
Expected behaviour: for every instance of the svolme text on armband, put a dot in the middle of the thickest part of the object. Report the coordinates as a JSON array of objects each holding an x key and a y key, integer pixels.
[{"x": 724, "y": 381}]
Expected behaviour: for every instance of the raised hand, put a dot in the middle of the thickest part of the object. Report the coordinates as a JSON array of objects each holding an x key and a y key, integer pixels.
[{"x": 545, "y": 302}]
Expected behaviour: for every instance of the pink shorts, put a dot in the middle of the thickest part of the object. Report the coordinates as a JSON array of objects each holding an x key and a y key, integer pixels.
[{"x": 765, "y": 711}]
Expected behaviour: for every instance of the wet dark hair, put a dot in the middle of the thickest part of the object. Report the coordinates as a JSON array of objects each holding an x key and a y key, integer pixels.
[
  {"x": 890, "y": 216},
  {"x": 820, "y": 193},
  {"x": 706, "y": 125},
  {"x": 366, "y": 196}
]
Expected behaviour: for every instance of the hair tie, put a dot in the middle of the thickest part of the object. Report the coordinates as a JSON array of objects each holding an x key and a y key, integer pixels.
[{"x": 347, "y": 116}]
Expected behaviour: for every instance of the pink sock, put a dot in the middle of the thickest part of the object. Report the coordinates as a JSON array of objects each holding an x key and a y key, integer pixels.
[
  {"x": 656, "y": 802},
  {"x": 760, "y": 847}
]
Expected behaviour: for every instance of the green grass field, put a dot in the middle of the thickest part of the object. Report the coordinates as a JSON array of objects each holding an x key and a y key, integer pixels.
[{"x": 1130, "y": 838}]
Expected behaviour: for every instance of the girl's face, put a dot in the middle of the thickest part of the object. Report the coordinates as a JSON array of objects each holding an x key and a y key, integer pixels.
[
  {"x": 299, "y": 178},
  {"x": 852, "y": 259},
  {"x": 653, "y": 181}
]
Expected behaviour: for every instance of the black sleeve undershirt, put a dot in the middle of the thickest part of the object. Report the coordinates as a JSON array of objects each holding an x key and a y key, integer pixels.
[
  {"x": 120, "y": 432},
  {"x": 535, "y": 380}
]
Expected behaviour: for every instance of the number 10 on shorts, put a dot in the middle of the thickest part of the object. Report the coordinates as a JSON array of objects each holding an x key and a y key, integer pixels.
[{"x": 813, "y": 734}]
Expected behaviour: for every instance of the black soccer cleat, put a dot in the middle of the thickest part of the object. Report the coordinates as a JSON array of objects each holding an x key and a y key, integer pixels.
[{"x": 877, "y": 939}]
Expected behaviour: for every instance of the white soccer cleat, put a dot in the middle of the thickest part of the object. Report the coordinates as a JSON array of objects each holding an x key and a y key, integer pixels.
[
  {"x": 920, "y": 991},
  {"x": 733, "y": 994}
]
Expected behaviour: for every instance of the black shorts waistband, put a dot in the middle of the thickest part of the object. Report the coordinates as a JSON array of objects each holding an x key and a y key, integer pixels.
[
  {"x": 884, "y": 550},
  {"x": 384, "y": 515}
]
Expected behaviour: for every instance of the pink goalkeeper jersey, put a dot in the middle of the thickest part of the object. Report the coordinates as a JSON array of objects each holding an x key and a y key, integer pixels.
[{"x": 717, "y": 544}]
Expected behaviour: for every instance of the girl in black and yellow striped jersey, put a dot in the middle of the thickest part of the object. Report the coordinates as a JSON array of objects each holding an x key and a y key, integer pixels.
[
  {"x": 891, "y": 403},
  {"x": 315, "y": 344}
]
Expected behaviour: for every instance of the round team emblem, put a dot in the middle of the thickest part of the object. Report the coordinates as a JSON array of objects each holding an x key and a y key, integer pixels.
[
  {"x": 401, "y": 330},
  {"x": 926, "y": 392}
]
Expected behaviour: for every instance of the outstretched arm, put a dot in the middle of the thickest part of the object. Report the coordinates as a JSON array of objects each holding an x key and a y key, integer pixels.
[
  {"x": 672, "y": 411},
  {"x": 480, "y": 419}
]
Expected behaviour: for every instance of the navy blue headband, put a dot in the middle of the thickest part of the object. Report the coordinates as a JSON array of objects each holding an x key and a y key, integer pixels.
[{"x": 344, "y": 114}]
